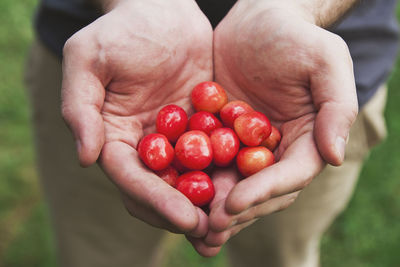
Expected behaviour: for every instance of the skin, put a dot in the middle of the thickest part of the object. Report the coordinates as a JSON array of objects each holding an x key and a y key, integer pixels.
[
  {"x": 272, "y": 55},
  {"x": 118, "y": 72}
]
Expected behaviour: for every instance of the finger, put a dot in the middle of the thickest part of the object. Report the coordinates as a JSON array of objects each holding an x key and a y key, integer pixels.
[
  {"x": 334, "y": 94},
  {"x": 299, "y": 164},
  {"x": 82, "y": 100},
  {"x": 202, "y": 227},
  {"x": 221, "y": 221},
  {"x": 224, "y": 180},
  {"x": 155, "y": 198},
  {"x": 142, "y": 212},
  {"x": 138, "y": 210},
  {"x": 218, "y": 239},
  {"x": 203, "y": 249}
]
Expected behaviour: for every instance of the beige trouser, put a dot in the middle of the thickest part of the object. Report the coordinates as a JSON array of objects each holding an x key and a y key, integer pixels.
[{"x": 93, "y": 229}]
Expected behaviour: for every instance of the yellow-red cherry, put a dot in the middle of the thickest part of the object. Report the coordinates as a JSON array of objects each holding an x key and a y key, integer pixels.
[
  {"x": 252, "y": 128},
  {"x": 251, "y": 160},
  {"x": 273, "y": 139},
  {"x": 232, "y": 110},
  {"x": 208, "y": 96}
]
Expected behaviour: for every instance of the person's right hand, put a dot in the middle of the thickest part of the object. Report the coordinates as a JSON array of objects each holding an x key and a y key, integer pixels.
[
  {"x": 276, "y": 57},
  {"x": 118, "y": 73}
]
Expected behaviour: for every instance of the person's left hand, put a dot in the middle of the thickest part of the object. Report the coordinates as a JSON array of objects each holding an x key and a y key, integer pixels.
[{"x": 118, "y": 72}]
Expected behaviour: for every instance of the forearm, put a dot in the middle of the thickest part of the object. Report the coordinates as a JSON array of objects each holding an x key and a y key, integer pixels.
[
  {"x": 323, "y": 13},
  {"x": 327, "y": 12}
]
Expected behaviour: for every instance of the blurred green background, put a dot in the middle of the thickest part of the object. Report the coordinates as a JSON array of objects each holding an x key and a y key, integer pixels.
[{"x": 366, "y": 234}]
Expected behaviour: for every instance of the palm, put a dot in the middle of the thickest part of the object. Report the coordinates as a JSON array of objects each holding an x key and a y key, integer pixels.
[
  {"x": 131, "y": 62},
  {"x": 272, "y": 78},
  {"x": 129, "y": 112},
  {"x": 299, "y": 75}
]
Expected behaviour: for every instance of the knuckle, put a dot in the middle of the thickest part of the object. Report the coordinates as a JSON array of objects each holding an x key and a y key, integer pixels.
[
  {"x": 70, "y": 45},
  {"x": 341, "y": 46},
  {"x": 78, "y": 44}
]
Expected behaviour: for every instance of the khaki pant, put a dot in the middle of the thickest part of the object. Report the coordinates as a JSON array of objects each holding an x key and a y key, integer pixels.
[{"x": 93, "y": 229}]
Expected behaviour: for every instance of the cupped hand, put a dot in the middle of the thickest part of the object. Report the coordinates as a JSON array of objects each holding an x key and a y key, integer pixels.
[
  {"x": 273, "y": 56},
  {"x": 118, "y": 73}
]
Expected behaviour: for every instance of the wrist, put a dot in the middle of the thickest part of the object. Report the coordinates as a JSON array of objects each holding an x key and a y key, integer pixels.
[
  {"x": 322, "y": 13},
  {"x": 108, "y": 5},
  {"x": 298, "y": 9}
]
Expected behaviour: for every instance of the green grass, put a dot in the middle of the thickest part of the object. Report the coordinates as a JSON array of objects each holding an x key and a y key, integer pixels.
[
  {"x": 24, "y": 230},
  {"x": 366, "y": 234}
]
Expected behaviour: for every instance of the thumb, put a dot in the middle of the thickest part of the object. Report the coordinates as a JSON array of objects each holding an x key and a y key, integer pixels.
[
  {"x": 335, "y": 97},
  {"x": 82, "y": 100},
  {"x": 331, "y": 130}
]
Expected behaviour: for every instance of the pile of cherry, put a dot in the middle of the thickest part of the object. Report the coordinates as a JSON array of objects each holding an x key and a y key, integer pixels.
[{"x": 204, "y": 140}]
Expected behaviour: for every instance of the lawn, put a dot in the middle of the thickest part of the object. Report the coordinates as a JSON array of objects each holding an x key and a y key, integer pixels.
[{"x": 366, "y": 234}]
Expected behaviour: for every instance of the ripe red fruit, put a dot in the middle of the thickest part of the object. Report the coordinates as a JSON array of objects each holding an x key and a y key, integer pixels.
[
  {"x": 155, "y": 151},
  {"x": 197, "y": 187},
  {"x": 204, "y": 121},
  {"x": 193, "y": 150},
  {"x": 208, "y": 96},
  {"x": 225, "y": 145},
  {"x": 231, "y": 111},
  {"x": 171, "y": 122},
  {"x": 251, "y": 160},
  {"x": 252, "y": 128},
  {"x": 273, "y": 139},
  {"x": 179, "y": 166},
  {"x": 169, "y": 175}
]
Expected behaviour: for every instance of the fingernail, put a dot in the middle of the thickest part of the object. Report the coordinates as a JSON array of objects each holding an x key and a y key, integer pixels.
[{"x": 340, "y": 146}]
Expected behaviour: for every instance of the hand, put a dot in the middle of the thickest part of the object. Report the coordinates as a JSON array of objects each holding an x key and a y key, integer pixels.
[
  {"x": 118, "y": 72},
  {"x": 272, "y": 55}
]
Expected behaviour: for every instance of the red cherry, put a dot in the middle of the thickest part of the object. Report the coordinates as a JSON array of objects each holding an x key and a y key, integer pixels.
[
  {"x": 225, "y": 145},
  {"x": 231, "y": 111},
  {"x": 208, "y": 96},
  {"x": 169, "y": 175},
  {"x": 179, "y": 166},
  {"x": 273, "y": 139},
  {"x": 251, "y": 160},
  {"x": 204, "y": 121},
  {"x": 252, "y": 128},
  {"x": 197, "y": 187},
  {"x": 193, "y": 150},
  {"x": 171, "y": 122},
  {"x": 155, "y": 151}
]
